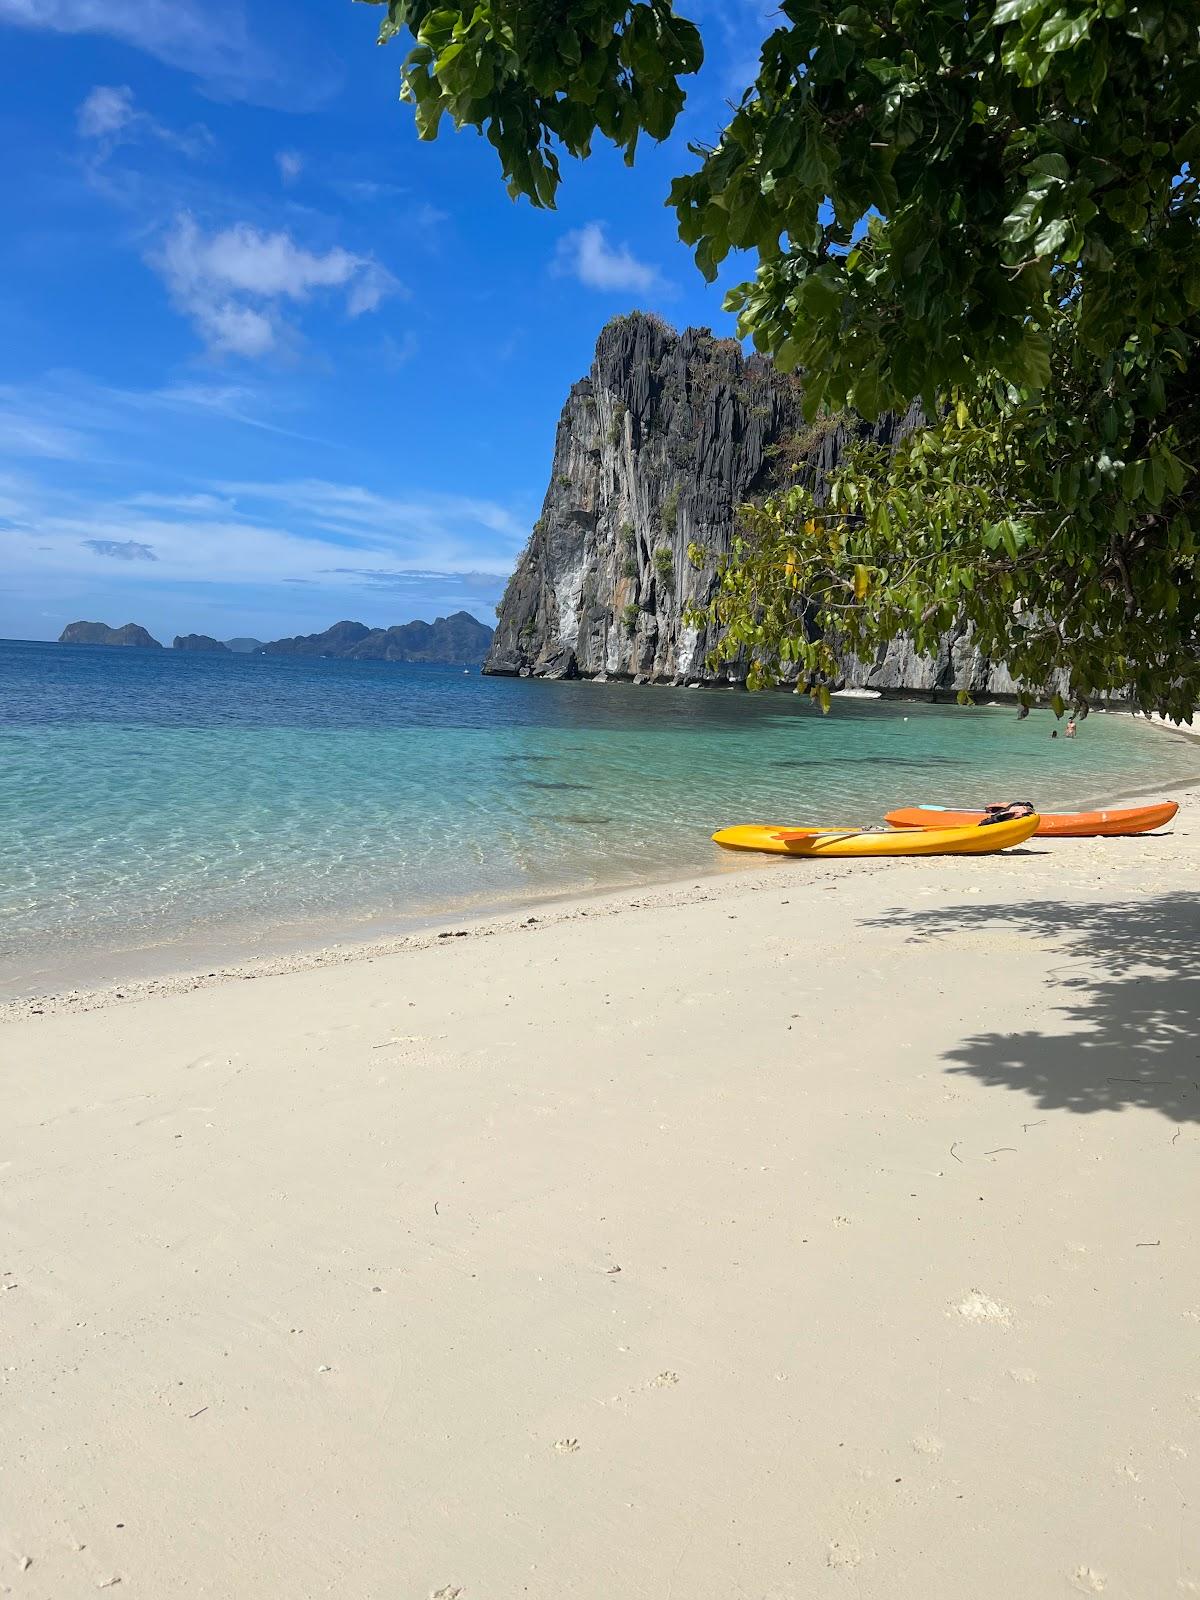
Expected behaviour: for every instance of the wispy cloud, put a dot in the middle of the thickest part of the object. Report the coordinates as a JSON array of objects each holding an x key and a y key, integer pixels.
[
  {"x": 401, "y": 582},
  {"x": 105, "y": 112},
  {"x": 210, "y": 39},
  {"x": 392, "y": 353},
  {"x": 27, "y": 433},
  {"x": 340, "y": 535},
  {"x": 108, "y": 116},
  {"x": 235, "y": 402},
  {"x": 429, "y": 520},
  {"x": 197, "y": 505},
  {"x": 290, "y": 164},
  {"x": 68, "y": 417},
  {"x": 586, "y": 254},
  {"x": 231, "y": 283},
  {"x": 268, "y": 560}
]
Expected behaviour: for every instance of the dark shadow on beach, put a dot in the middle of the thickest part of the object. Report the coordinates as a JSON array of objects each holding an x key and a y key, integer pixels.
[{"x": 1130, "y": 972}]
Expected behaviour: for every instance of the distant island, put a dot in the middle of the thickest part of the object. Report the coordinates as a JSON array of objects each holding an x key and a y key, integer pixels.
[
  {"x": 200, "y": 641},
  {"x": 459, "y": 640},
  {"x": 100, "y": 633}
]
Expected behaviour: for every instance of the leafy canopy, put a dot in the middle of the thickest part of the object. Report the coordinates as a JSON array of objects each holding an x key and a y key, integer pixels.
[
  {"x": 540, "y": 77},
  {"x": 987, "y": 204}
]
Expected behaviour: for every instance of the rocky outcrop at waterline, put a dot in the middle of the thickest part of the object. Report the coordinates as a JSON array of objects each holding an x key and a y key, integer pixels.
[
  {"x": 200, "y": 641},
  {"x": 131, "y": 635},
  {"x": 657, "y": 447}
]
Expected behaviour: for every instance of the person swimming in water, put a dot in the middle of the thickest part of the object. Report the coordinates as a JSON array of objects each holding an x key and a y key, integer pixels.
[{"x": 1070, "y": 727}]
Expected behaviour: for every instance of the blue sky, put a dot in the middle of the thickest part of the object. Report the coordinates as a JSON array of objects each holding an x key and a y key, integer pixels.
[{"x": 268, "y": 361}]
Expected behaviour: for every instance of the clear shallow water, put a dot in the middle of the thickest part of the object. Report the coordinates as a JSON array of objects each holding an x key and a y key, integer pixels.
[{"x": 152, "y": 798}]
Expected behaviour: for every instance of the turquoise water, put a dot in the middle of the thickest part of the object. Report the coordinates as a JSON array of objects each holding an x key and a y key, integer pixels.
[{"x": 150, "y": 800}]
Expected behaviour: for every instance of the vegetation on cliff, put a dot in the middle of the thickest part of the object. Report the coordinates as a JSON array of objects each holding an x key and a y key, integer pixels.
[
  {"x": 130, "y": 635},
  {"x": 457, "y": 640},
  {"x": 990, "y": 206},
  {"x": 202, "y": 642},
  {"x": 605, "y": 586}
]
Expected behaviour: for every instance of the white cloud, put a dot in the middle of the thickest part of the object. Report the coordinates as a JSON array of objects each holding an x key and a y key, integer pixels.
[
  {"x": 230, "y": 283},
  {"x": 208, "y": 38},
  {"x": 358, "y": 513},
  {"x": 372, "y": 286},
  {"x": 105, "y": 112},
  {"x": 269, "y": 264},
  {"x": 301, "y": 552},
  {"x": 586, "y": 254},
  {"x": 290, "y": 164},
  {"x": 334, "y": 535},
  {"x": 108, "y": 115},
  {"x": 232, "y": 329}
]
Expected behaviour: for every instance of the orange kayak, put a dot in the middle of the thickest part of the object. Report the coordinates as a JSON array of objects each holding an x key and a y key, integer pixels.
[{"x": 1053, "y": 825}]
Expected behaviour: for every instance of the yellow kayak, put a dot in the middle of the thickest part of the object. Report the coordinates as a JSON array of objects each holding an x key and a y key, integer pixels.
[{"x": 973, "y": 841}]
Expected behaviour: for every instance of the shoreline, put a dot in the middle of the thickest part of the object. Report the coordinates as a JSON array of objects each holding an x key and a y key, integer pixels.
[
  {"x": 123, "y": 932},
  {"x": 740, "y": 873},
  {"x": 792, "y": 1235}
]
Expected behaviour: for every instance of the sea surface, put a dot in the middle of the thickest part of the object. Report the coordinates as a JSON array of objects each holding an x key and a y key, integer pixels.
[{"x": 177, "y": 806}]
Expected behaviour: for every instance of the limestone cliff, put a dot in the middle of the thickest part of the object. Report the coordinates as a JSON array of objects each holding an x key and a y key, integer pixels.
[{"x": 657, "y": 447}]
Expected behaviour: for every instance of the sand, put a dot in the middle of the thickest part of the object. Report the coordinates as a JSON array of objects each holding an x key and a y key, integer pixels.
[{"x": 803, "y": 1233}]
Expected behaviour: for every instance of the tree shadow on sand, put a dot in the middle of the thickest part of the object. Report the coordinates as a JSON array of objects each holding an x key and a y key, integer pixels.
[{"x": 1132, "y": 972}]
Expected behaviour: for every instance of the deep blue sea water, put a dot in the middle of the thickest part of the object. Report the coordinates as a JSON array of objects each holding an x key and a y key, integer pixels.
[{"x": 151, "y": 800}]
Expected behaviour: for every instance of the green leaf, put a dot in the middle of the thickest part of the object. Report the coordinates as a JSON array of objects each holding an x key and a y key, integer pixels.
[
  {"x": 1014, "y": 10},
  {"x": 1062, "y": 32},
  {"x": 1028, "y": 364}
]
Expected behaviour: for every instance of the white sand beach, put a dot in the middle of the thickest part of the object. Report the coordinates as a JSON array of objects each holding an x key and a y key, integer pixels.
[{"x": 811, "y": 1232}]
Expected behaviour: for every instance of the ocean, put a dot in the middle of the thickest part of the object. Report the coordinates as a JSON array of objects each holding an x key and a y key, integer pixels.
[{"x": 162, "y": 808}]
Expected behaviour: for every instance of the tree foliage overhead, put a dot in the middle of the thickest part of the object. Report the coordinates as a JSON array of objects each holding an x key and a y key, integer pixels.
[
  {"x": 539, "y": 76},
  {"x": 988, "y": 204}
]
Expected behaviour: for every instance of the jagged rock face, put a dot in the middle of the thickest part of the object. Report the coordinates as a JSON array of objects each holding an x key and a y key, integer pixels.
[
  {"x": 658, "y": 446},
  {"x": 131, "y": 634},
  {"x": 200, "y": 641}
]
